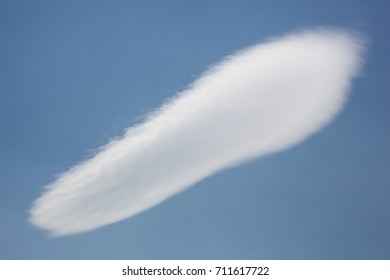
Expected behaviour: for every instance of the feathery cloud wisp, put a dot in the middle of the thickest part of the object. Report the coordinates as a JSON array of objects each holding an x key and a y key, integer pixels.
[{"x": 260, "y": 100}]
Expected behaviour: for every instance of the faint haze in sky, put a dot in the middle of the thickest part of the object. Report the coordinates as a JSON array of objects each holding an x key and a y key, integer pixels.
[{"x": 260, "y": 100}]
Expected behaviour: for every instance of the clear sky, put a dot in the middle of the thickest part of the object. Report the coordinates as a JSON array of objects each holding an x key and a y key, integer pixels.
[{"x": 74, "y": 74}]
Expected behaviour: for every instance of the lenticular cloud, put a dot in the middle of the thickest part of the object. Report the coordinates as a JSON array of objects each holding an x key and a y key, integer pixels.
[{"x": 263, "y": 99}]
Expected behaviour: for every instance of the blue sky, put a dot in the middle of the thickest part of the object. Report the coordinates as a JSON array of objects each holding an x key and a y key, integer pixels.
[{"x": 74, "y": 74}]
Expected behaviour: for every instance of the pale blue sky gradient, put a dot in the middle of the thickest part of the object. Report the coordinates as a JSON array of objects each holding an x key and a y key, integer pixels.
[{"x": 74, "y": 74}]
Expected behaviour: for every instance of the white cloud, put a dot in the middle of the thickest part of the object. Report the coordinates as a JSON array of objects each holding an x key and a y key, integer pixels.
[{"x": 260, "y": 100}]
